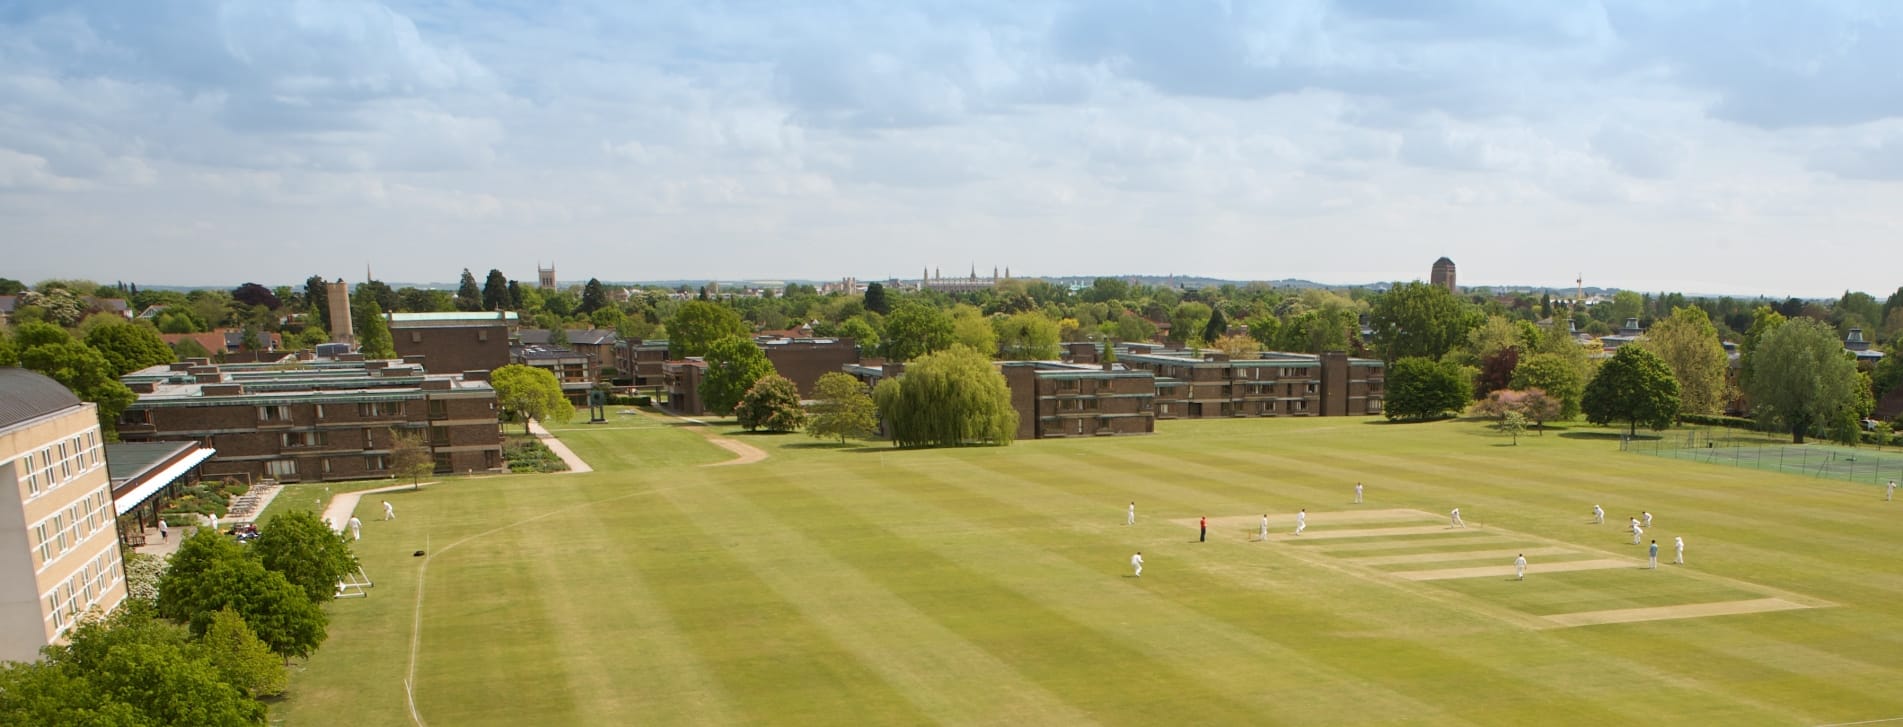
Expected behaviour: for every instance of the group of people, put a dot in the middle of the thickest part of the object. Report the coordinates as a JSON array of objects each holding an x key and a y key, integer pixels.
[{"x": 1202, "y": 526}]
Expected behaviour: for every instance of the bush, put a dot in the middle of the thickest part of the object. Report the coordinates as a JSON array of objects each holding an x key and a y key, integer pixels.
[{"x": 528, "y": 454}]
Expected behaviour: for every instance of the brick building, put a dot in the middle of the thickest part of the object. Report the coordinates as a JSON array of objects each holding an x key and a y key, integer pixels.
[
  {"x": 804, "y": 360},
  {"x": 322, "y": 420},
  {"x": 1276, "y": 384},
  {"x": 452, "y": 343},
  {"x": 1057, "y": 399},
  {"x": 681, "y": 380},
  {"x": 59, "y": 555},
  {"x": 575, "y": 371},
  {"x": 640, "y": 362}
]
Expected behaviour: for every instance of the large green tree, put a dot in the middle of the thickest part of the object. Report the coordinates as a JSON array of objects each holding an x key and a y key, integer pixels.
[
  {"x": 306, "y": 552},
  {"x": 915, "y": 329},
  {"x": 1420, "y": 319},
  {"x": 593, "y": 297},
  {"x": 698, "y": 324},
  {"x": 210, "y": 572},
  {"x": 1187, "y": 322},
  {"x": 773, "y": 404},
  {"x": 971, "y": 328},
  {"x": 123, "y": 671},
  {"x": 734, "y": 364},
  {"x": 495, "y": 291},
  {"x": 1422, "y": 388},
  {"x": 1027, "y": 336},
  {"x": 843, "y": 408},
  {"x": 1635, "y": 387},
  {"x": 1801, "y": 379},
  {"x": 373, "y": 332},
  {"x": 876, "y": 299},
  {"x": 1689, "y": 345},
  {"x": 317, "y": 298},
  {"x": 468, "y": 296},
  {"x": 50, "y": 350},
  {"x": 948, "y": 398},
  {"x": 1553, "y": 374},
  {"x": 530, "y": 393},
  {"x": 241, "y": 658},
  {"x": 129, "y": 347}
]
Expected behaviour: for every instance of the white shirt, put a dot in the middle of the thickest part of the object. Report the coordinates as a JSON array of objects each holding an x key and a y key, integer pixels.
[
  {"x": 1679, "y": 543},
  {"x": 1519, "y": 562},
  {"x": 1136, "y": 559},
  {"x": 1300, "y": 517}
]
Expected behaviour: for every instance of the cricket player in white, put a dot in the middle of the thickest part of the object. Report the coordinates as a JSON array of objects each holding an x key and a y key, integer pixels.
[
  {"x": 1132, "y": 519},
  {"x": 1647, "y": 519},
  {"x": 1678, "y": 548},
  {"x": 1519, "y": 567},
  {"x": 1265, "y": 526},
  {"x": 1598, "y": 515},
  {"x": 1637, "y": 532},
  {"x": 1889, "y": 491},
  {"x": 1301, "y": 521},
  {"x": 1136, "y": 561},
  {"x": 389, "y": 510},
  {"x": 1358, "y": 491},
  {"x": 1455, "y": 516},
  {"x": 356, "y": 528}
]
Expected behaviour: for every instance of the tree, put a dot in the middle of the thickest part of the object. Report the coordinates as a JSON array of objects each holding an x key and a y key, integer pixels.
[
  {"x": 306, "y": 552},
  {"x": 1419, "y": 319},
  {"x": 317, "y": 296},
  {"x": 209, "y": 572},
  {"x": 468, "y": 296},
  {"x": 517, "y": 298},
  {"x": 129, "y": 347},
  {"x": 78, "y": 367},
  {"x": 1801, "y": 379},
  {"x": 1689, "y": 345},
  {"x": 1554, "y": 375},
  {"x": 1421, "y": 388},
  {"x": 1531, "y": 405},
  {"x": 973, "y": 330},
  {"x": 1764, "y": 319},
  {"x": 495, "y": 291},
  {"x": 698, "y": 324},
  {"x": 189, "y": 349},
  {"x": 1027, "y": 336},
  {"x": 127, "y": 669},
  {"x": 1513, "y": 424},
  {"x": 410, "y": 457},
  {"x": 842, "y": 408},
  {"x": 530, "y": 393},
  {"x": 373, "y": 332},
  {"x": 1217, "y": 327},
  {"x": 241, "y": 658},
  {"x": 773, "y": 403},
  {"x": 734, "y": 363},
  {"x": 948, "y": 398},
  {"x": 915, "y": 329},
  {"x": 875, "y": 299},
  {"x": 593, "y": 297},
  {"x": 1237, "y": 347},
  {"x": 1133, "y": 327},
  {"x": 256, "y": 295},
  {"x": 1537, "y": 406},
  {"x": 862, "y": 333},
  {"x": 1636, "y": 387},
  {"x": 1187, "y": 322},
  {"x": 378, "y": 291},
  {"x": 1264, "y": 328}
]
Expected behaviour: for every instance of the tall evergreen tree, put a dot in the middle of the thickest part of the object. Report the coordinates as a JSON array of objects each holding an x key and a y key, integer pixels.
[
  {"x": 515, "y": 295},
  {"x": 593, "y": 297},
  {"x": 373, "y": 333},
  {"x": 495, "y": 291},
  {"x": 875, "y": 299},
  {"x": 317, "y": 296},
  {"x": 468, "y": 296},
  {"x": 1217, "y": 327}
]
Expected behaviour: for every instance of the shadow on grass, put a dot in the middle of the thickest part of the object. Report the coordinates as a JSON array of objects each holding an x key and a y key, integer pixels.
[
  {"x": 1611, "y": 436},
  {"x": 1384, "y": 422},
  {"x": 834, "y": 446}
]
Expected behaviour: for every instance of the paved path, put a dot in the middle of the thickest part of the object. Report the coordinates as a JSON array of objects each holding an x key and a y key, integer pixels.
[
  {"x": 575, "y": 464},
  {"x": 747, "y": 453},
  {"x": 343, "y": 504}
]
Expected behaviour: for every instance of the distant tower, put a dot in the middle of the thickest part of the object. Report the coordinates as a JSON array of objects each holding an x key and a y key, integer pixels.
[
  {"x": 545, "y": 277},
  {"x": 1443, "y": 275},
  {"x": 1579, "y": 292},
  {"x": 337, "y": 296}
]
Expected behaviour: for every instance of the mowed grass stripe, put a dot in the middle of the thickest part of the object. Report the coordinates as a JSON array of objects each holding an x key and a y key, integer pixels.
[
  {"x": 1547, "y": 593},
  {"x": 1289, "y": 621},
  {"x": 1045, "y": 645},
  {"x": 907, "y": 647},
  {"x": 1706, "y": 649},
  {"x": 777, "y": 665}
]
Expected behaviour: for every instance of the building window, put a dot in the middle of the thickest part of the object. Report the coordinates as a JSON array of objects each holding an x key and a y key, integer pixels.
[
  {"x": 380, "y": 409},
  {"x": 438, "y": 409},
  {"x": 367, "y": 441},
  {"x": 443, "y": 466},
  {"x": 1310, "y": 388},
  {"x": 439, "y": 436},
  {"x": 320, "y": 411},
  {"x": 482, "y": 335},
  {"x": 282, "y": 467},
  {"x": 416, "y": 336},
  {"x": 305, "y": 439},
  {"x": 491, "y": 459},
  {"x": 274, "y": 413},
  {"x": 374, "y": 463}
]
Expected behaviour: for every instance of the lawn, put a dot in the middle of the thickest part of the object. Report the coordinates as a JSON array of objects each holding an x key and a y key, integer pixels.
[{"x": 865, "y": 585}]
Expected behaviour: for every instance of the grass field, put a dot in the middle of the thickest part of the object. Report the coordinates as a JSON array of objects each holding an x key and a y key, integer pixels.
[{"x": 987, "y": 586}]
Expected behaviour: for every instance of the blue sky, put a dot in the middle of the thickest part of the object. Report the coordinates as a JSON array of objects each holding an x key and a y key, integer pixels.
[{"x": 1739, "y": 147}]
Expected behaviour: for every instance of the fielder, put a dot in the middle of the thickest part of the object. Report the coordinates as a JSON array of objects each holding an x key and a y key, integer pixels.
[
  {"x": 356, "y": 528},
  {"x": 1652, "y": 557},
  {"x": 1265, "y": 526},
  {"x": 1358, "y": 491},
  {"x": 389, "y": 510},
  {"x": 1639, "y": 531},
  {"x": 1647, "y": 519},
  {"x": 1301, "y": 521},
  {"x": 1598, "y": 515},
  {"x": 1132, "y": 519},
  {"x": 1678, "y": 546},
  {"x": 1519, "y": 567},
  {"x": 1455, "y": 516},
  {"x": 1889, "y": 491},
  {"x": 1136, "y": 561}
]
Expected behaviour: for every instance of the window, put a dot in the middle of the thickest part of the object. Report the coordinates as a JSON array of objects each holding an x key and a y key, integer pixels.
[
  {"x": 380, "y": 409},
  {"x": 416, "y": 336},
  {"x": 282, "y": 467},
  {"x": 137, "y": 416},
  {"x": 320, "y": 411},
  {"x": 439, "y": 436},
  {"x": 274, "y": 413},
  {"x": 443, "y": 466},
  {"x": 1310, "y": 388},
  {"x": 368, "y": 442},
  {"x": 482, "y": 335},
  {"x": 305, "y": 439},
  {"x": 325, "y": 463},
  {"x": 374, "y": 463},
  {"x": 438, "y": 409}
]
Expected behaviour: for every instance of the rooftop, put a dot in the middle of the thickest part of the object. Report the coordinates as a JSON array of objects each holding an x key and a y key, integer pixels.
[
  {"x": 306, "y": 382},
  {"x": 453, "y": 318},
  {"x": 127, "y": 460},
  {"x": 26, "y": 395}
]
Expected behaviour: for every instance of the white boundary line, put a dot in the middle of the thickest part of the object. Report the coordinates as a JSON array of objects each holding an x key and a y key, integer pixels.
[{"x": 1867, "y": 721}]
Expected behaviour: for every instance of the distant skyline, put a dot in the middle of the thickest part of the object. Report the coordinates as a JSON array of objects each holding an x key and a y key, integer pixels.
[{"x": 1745, "y": 148}]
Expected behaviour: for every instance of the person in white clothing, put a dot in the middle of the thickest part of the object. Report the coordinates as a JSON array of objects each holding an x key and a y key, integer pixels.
[
  {"x": 1889, "y": 491},
  {"x": 1136, "y": 561},
  {"x": 1455, "y": 518},
  {"x": 389, "y": 510},
  {"x": 1358, "y": 492},
  {"x": 1637, "y": 532},
  {"x": 356, "y": 528},
  {"x": 1265, "y": 526},
  {"x": 1678, "y": 550},
  {"x": 1519, "y": 567},
  {"x": 1132, "y": 519},
  {"x": 1301, "y": 521},
  {"x": 1645, "y": 519},
  {"x": 1598, "y": 515}
]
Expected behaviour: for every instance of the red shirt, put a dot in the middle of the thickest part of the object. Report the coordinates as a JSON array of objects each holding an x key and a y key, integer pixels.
[{"x": 1205, "y": 522}]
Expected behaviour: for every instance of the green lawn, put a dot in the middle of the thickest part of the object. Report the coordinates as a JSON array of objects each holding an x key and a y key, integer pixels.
[{"x": 865, "y": 585}]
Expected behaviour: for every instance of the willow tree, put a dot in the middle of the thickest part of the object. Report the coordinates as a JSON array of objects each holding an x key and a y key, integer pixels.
[{"x": 946, "y": 399}]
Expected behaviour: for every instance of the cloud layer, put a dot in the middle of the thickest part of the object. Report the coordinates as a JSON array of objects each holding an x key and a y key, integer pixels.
[{"x": 1704, "y": 146}]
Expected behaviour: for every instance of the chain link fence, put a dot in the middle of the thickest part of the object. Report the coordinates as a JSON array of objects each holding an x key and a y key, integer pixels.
[{"x": 1754, "y": 450}]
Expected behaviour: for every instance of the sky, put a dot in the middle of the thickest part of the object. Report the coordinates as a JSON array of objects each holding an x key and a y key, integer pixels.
[{"x": 1703, "y": 147}]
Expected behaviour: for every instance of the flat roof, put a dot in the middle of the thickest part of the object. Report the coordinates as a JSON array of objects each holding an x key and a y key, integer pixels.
[
  {"x": 128, "y": 460},
  {"x": 452, "y": 317},
  {"x": 308, "y": 382}
]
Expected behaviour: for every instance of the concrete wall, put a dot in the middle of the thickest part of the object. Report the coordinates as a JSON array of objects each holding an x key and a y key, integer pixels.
[{"x": 73, "y": 501}]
